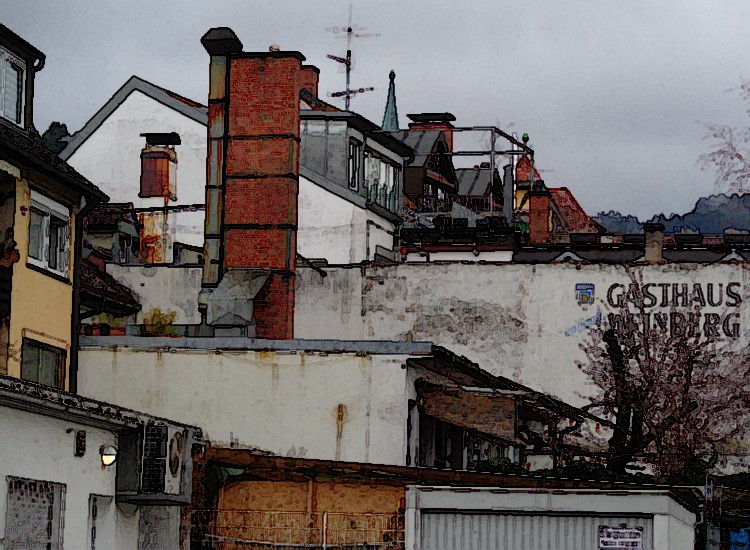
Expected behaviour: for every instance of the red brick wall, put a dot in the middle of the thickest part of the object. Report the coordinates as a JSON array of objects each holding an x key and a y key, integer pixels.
[
  {"x": 539, "y": 215},
  {"x": 262, "y": 167},
  {"x": 309, "y": 78},
  {"x": 273, "y": 308}
]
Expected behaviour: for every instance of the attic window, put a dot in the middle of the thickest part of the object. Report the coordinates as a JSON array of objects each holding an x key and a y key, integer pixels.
[{"x": 11, "y": 84}]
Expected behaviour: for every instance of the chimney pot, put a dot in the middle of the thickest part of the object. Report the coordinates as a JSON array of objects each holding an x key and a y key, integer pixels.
[{"x": 221, "y": 41}]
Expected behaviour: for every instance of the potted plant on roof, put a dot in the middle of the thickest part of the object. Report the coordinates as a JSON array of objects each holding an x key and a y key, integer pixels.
[{"x": 157, "y": 323}]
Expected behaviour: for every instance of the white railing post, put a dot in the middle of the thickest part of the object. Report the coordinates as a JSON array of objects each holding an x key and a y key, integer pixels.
[{"x": 325, "y": 530}]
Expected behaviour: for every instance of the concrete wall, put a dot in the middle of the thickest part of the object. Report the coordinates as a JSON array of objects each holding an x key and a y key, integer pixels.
[
  {"x": 519, "y": 321},
  {"x": 171, "y": 289},
  {"x": 38, "y": 447},
  {"x": 673, "y": 531},
  {"x": 337, "y": 407},
  {"x": 335, "y": 229},
  {"x": 331, "y": 306},
  {"x": 110, "y": 158}
]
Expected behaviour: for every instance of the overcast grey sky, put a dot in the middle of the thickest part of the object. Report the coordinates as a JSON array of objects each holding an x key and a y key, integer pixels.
[{"x": 613, "y": 93}]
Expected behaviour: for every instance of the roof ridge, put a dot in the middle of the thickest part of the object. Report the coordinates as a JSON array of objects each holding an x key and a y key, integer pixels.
[{"x": 173, "y": 100}]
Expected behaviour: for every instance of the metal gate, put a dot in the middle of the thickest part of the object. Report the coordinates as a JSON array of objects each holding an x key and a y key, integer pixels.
[
  {"x": 256, "y": 529},
  {"x": 485, "y": 531}
]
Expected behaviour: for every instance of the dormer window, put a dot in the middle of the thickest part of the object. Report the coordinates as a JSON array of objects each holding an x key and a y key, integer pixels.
[{"x": 11, "y": 84}]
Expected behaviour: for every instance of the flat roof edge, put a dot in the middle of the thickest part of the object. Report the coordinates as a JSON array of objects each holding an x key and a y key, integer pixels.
[{"x": 372, "y": 347}]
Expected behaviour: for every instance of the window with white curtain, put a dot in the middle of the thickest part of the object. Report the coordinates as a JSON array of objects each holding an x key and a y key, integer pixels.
[{"x": 49, "y": 234}]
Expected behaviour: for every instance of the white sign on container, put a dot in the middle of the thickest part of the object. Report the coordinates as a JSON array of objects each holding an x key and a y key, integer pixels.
[{"x": 620, "y": 537}]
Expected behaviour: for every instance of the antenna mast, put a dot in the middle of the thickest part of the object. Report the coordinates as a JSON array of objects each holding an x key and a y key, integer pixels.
[{"x": 347, "y": 62}]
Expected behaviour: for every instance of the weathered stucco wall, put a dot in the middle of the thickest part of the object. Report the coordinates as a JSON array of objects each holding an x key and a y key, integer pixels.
[
  {"x": 111, "y": 159},
  {"x": 335, "y": 229},
  {"x": 26, "y": 435},
  {"x": 523, "y": 321},
  {"x": 336, "y": 407},
  {"x": 171, "y": 289},
  {"x": 329, "y": 307}
]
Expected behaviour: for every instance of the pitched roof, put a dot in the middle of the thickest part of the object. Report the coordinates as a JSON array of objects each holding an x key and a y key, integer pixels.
[
  {"x": 181, "y": 104},
  {"x": 474, "y": 182},
  {"x": 422, "y": 142},
  {"x": 523, "y": 169},
  {"x": 107, "y": 216},
  {"x": 314, "y": 102},
  {"x": 101, "y": 287},
  {"x": 28, "y": 146},
  {"x": 570, "y": 213}
]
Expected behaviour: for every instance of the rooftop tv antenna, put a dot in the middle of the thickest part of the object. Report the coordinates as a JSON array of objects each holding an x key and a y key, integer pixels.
[{"x": 349, "y": 31}]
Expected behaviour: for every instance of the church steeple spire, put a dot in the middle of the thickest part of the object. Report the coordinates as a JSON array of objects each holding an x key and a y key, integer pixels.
[{"x": 390, "y": 117}]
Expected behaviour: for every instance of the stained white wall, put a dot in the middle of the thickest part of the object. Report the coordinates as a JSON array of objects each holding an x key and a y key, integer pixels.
[
  {"x": 171, "y": 289},
  {"x": 37, "y": 447},
  {"x": 519, "y": 321},
  {"x": 283, "y": 403},
  {"x": 335, "y": 229},
  {"x": 111, "y": 159}
]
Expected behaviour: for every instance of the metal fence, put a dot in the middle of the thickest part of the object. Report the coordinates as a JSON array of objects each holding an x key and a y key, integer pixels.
[{"x": 255, "y": 529}]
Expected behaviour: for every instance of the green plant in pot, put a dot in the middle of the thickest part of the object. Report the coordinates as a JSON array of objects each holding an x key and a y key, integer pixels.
[{"x": 157, "y": 323}]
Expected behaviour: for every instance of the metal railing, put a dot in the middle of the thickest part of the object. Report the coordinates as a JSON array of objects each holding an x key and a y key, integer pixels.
[{"x": 255, "y": 529}]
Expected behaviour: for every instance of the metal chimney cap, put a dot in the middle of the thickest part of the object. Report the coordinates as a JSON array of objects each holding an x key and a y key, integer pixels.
[
  {"x": 274, "y": 48},
  {"x": 221, "y": 41}
]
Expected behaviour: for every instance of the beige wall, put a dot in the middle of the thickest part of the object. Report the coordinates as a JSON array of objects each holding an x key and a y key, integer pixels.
[{"x": 41, "y": 306}]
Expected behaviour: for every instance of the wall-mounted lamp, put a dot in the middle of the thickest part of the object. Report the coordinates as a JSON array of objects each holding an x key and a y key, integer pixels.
[{"x": 108, "y": 454}]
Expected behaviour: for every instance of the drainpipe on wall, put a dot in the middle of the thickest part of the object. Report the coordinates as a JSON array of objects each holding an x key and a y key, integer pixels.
[{"x": 75, "y": 318}]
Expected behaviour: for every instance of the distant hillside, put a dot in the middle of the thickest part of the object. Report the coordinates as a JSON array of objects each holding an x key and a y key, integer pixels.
[{"x": 711, "y": 215}]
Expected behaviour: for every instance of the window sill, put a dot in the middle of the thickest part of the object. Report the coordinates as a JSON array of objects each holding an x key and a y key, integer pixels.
[{"x": 48, "y": 273}]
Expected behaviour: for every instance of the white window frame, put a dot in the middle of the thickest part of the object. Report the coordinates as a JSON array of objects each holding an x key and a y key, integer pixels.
[
  {"x": 49, "y": 208},
  {"x": 5, "y": 57}
]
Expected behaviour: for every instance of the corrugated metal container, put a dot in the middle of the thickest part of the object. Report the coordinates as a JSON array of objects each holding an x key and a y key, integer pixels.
[
  {"x": 485, "y": 531},
  {"x": 495, "y": 518}
]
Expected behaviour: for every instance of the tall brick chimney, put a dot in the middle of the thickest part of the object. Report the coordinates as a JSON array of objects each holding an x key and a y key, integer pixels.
[
  {"x": 309, "y": 78},
  {"x": 540, "y": 212},
  {"x": 252, "y": 185},
  {"x": 434, "y": 121}
]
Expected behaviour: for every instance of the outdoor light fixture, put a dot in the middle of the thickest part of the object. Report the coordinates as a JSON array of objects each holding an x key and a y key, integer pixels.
[{"x": 108, "y": 454}]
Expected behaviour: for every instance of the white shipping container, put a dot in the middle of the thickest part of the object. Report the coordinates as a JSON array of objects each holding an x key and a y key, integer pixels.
[{"x": 450, "y": 518}]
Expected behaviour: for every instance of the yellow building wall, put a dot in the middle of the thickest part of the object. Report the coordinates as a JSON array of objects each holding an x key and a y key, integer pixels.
[
  {"x": 41, "y": 306},
  {"x": 520, "y": 194}
]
